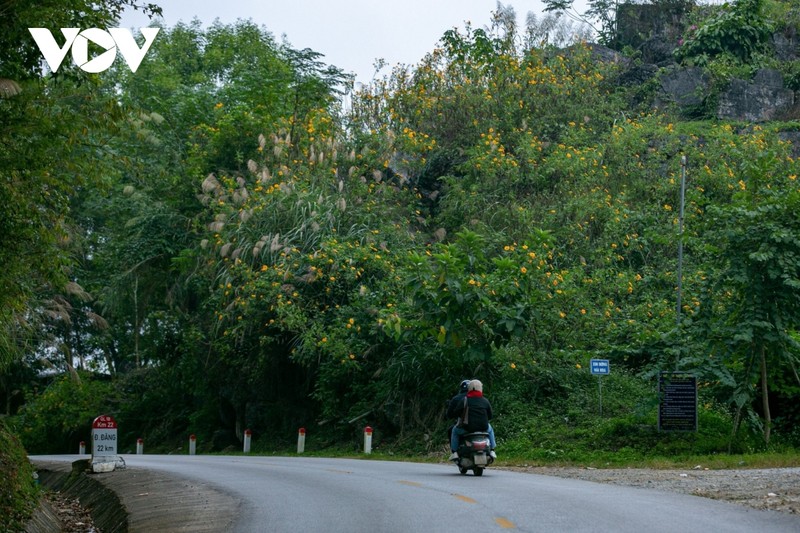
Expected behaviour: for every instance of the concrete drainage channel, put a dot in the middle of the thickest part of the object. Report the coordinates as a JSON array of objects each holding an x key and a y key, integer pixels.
[
  {"x": 133, "y": 500},
  {"x": 72, "y": 481}
]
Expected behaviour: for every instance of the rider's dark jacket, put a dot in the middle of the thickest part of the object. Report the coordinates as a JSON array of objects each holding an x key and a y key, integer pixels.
[{"x": 478, "y": 415}]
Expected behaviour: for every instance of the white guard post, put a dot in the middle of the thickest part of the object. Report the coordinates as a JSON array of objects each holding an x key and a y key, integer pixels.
[
  {"x": 104, "y": 445},
  {"x": 248, "y": 435},
  {"x": 82, "y": 448},
  {"x": 192, "y": 444},
  {"x": 367, "y": 439},
  {"x": 301, "y": 440},
  {"x": 139, "y": 446}
]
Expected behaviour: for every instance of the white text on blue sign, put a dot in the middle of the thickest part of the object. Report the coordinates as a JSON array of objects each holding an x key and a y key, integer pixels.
[{"x": 600, "y": 366}]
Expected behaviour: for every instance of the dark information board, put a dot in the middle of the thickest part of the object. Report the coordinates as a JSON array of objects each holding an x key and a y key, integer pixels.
[{"x": 677, "y": 409}]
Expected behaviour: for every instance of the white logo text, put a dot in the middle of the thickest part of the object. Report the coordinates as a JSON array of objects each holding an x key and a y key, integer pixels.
[{"x": 112, "y": 40}]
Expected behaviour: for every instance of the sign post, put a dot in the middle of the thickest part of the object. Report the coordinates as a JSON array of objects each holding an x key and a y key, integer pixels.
[
  {"x": 104, "y": 445},
  {"x": 600, "y": 367}
]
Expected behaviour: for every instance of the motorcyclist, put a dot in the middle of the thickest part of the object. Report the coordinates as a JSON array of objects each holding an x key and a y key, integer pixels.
[
  {"x": 480, "y": 412},
  {"x": 455, "y": 406}
]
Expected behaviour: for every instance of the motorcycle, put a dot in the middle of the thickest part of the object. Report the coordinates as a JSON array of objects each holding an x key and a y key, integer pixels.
[{"x": 473, "y": 453}]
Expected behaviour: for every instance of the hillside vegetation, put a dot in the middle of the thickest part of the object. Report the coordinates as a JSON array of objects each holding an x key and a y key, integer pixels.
[{"x": 228, "y": 240}]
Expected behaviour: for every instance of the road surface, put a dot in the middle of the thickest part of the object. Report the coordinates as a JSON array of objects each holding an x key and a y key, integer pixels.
[{"x": 350, "y": 495}]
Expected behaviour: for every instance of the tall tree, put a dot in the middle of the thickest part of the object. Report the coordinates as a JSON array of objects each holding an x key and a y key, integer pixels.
[
  {"x": 753, "y": 299},
  {"x": 54, "y": 134}
]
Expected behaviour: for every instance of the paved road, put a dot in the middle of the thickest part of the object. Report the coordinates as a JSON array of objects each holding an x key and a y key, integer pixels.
[{"x": 340, "y": 495}]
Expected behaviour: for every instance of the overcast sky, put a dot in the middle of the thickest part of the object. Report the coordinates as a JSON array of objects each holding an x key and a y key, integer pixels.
[{"x": 351, "y": 34}]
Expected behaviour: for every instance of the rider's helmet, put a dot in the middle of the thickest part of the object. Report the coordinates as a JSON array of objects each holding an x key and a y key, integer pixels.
[
  {"x": 464, "y": 386},
  {"x": 475, "y": 385}
]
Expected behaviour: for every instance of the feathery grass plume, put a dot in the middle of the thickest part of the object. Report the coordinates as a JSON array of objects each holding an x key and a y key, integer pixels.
[
  {"x": 9, "y": 88},
  {"x": 210, "y": 184},
  {"x": 58, "y": 309},
  {"x": 265, "y": 176},
  {"x": 74, "y": 289},
  {"x": 97, "y": 320},
  {"x": 275, "y": 245}
]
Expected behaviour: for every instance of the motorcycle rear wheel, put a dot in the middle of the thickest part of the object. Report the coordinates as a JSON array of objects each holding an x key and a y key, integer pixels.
[{"x": 478, "y": 471}]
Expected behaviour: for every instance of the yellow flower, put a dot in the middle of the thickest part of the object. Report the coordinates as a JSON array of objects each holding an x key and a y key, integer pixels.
[
  {"x": 578, "y": 366},
  {"x": 523, "y": 270},
  {"x": 513, "y": 365}
]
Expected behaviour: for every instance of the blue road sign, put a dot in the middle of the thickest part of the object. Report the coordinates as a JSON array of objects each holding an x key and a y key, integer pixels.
[{"x": 600, "y": 366}]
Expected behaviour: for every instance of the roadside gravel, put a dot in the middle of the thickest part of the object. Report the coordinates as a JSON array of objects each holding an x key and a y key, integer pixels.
[{"x": 776, "y": 489}]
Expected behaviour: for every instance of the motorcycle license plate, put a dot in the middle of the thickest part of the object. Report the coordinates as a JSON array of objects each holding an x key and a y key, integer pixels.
[{"x": 480, "y": 459}]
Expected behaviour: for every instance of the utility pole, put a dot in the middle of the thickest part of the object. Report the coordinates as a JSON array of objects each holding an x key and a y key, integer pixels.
[{"x": 680, "y": 238}]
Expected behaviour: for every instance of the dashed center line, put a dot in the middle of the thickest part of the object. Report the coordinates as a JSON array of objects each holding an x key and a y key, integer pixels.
[
  {"x": 464, "y": 498},
  {"x": 505, "y": 523}
]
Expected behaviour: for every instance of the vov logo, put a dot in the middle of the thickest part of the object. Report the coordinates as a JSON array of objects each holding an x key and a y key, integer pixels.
[{"x": 112, "y": 40}]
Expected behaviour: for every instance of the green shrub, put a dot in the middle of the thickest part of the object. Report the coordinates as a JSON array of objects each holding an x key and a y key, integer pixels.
[
  {"x": 18, "y": 490},
  {"x": 60, "y": 417}
]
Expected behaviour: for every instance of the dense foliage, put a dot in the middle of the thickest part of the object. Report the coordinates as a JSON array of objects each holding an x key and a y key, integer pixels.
[
  {"x": 18, "y": 492},
  {"x": 252, "y": 253}
]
